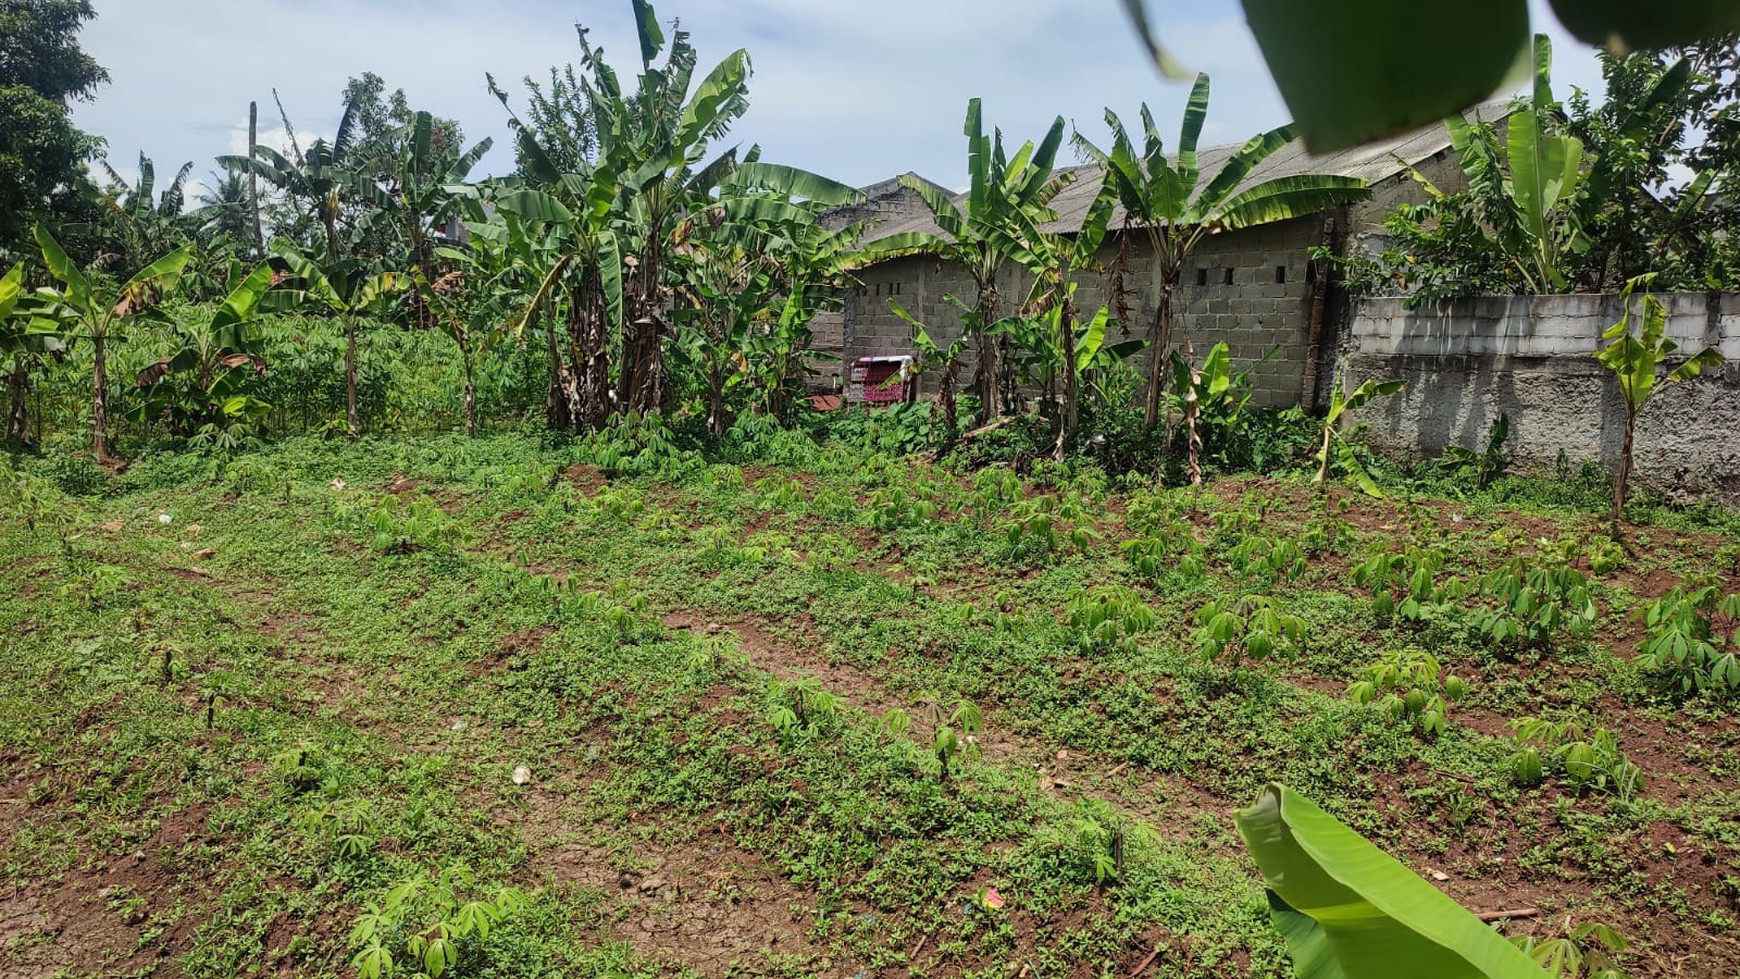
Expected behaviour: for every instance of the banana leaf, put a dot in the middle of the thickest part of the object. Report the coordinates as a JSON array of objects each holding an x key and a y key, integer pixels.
[{"x": 1350, "y": 911}]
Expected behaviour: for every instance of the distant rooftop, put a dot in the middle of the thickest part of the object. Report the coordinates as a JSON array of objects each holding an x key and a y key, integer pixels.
[{"x": 1373, "y": 163}]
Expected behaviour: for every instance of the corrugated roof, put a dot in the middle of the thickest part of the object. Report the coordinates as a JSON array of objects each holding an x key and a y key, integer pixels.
[{"x": 1372, "y": 163}]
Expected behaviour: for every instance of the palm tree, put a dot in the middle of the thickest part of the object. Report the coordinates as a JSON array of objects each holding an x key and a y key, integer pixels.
[
  {"x": 225, "y": 208},
  {"x": 319, "y": 183},
  {"x": 1162, "y": 196},
  {"x": 139, "y": 223},
  {"x": 1005, "y": 196}
]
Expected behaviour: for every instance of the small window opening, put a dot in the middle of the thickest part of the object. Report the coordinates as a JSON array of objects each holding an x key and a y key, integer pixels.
[
  {"x": 1202, "y": 277},
  {"x": 1280, "y": 275},
  {"x": 1227, "y": 276}
]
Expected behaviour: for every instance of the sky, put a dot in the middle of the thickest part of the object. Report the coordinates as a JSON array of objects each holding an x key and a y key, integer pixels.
[{"x": 858, "y": 90}]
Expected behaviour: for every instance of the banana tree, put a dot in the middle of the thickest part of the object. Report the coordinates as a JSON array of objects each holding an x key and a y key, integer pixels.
[
  {"x": 472, "y": 304},
  {"x": 755, "y": 267},
  {"x": 1166, "y": 198},
  {"x": 730, "y": 277},
  {"x": 575, "y": 256},
  {"x": 551, "y": 257},
  {"x": 204, "y": 386},
  {"x": 347, "y": 289},
  {"x": 102, "y": 316},
  {"x": 816, "y": 273},
  {"x": 28, "y": 338},
  {"x": 1545, "y": 174},
  {"x": 1350, "y": 911},
  {"x": 1209, "y": 398},
  {"x": 1005, "y": 196},
  {"x": 1053, "y": 259},
  {"x": 932, "y": 356},
  {"x": 423, "y": 181},
  {"x": 1336, "y": 444},
  {"x": 1635, "y": 360},
  {"x": 657, "y": 141}
]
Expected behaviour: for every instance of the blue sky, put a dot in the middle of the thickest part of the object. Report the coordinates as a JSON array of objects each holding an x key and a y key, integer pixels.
[{"x": 856, "y": 89}]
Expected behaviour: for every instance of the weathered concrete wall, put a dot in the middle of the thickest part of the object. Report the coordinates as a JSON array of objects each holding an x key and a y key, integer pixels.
[{"x": 1532, "y": 358}]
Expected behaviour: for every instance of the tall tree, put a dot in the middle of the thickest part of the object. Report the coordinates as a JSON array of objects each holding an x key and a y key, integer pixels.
[
  {"x": 1634, "y": 136},
  {"x": 1162, "y": 196},
  {"x": 42, "y": 70}
]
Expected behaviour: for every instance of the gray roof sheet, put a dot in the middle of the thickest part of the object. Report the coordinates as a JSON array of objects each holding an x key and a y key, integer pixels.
[{"x": 1372, "y": 163}]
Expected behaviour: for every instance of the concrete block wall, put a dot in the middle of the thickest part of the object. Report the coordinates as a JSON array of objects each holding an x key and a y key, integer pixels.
[
  {"x": 1261, "y": 310},
  {"x": 1531, "y": 358}
]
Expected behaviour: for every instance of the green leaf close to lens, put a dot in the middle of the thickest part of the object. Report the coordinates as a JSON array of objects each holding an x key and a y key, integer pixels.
[
  {"x": 1169, "y": 66},
  {"x": 1630, "y": 24},
  {"x": 1350, "y": 911},
  {"x": 1353, "y": 71}
]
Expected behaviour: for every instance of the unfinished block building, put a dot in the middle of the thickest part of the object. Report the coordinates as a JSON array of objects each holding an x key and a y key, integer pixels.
[{"x": 1256, "y": 289}]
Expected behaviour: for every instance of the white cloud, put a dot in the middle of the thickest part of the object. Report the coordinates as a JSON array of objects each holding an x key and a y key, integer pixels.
[{"x": 857, "y": 89}]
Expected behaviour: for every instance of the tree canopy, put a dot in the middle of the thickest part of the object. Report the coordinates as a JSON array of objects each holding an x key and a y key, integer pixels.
[{"x": 42, "y": 70}]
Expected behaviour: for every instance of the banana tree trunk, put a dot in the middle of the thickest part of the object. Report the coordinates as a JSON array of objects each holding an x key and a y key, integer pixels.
[
  {"x": 1159, "y": 346},
  {"x": 1070, "y": 382},
  {"x": 470, "y": 400},
  {"x": 352, "y": 424},
  {"x": 557, "y": 413},
  {"x": 945, "y": 400},
  {"x": 640, "y": 387},
  {"x": 988, "y": 376},
  {"x": 715, "y": 399},
  {"x": 594, "y": 391},
  {"x": 100, "y": 398},
  {"x": 18, "y": 413},
  {"x": 1624, "y": 474}
]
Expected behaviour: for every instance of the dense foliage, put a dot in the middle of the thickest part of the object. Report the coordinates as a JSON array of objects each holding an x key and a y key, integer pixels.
[{"x": 1578, "y": 195}]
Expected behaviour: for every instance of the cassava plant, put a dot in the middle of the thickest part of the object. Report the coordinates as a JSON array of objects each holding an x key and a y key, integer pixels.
[
  {"x": 1693, "y": 640},
  {"x": 1588, "y": 757},
  {"x": 429, "y": 926},
  {"x": 1410, "y": 686},
  {"x": 1249, "y": 626}
]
